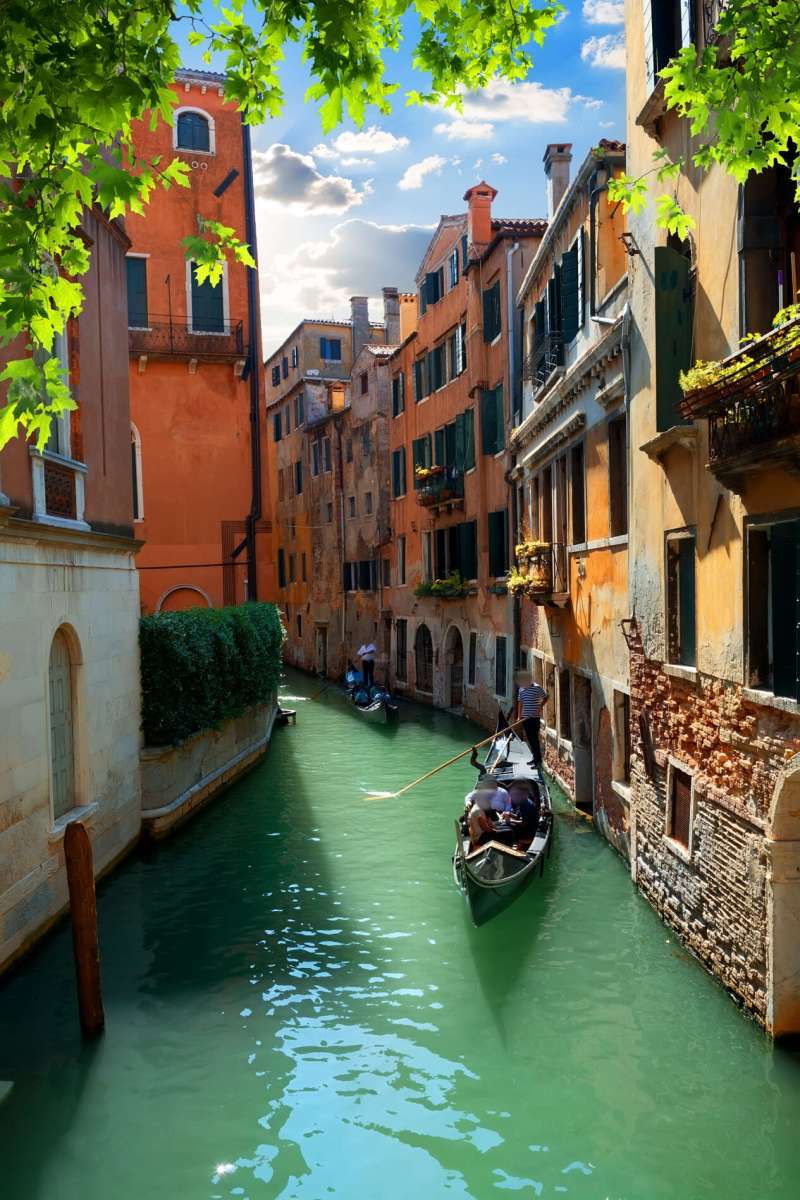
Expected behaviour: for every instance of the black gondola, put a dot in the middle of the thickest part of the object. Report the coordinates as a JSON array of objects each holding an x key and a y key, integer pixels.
[
  {"x": 373, "y": 704},
  {"x": 495, "y": 874}
]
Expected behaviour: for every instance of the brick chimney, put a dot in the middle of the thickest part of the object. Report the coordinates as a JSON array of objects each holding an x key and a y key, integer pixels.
[
  {"x": 359, "y": 316},
  {"x": 479, "y": 226},
  {"x": 391, "y": 315},
  {"x": 557, "y": 158}
]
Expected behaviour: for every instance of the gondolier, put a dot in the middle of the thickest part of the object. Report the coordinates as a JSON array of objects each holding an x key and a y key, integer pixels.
[
  {"x": 367, "y": 654},
  {"x": 530, "y": 701}
]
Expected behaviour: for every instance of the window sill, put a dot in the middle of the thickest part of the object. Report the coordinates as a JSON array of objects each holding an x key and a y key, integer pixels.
[
  {"x": 676, "y": 671},
  {"x": 61, "y": 522},
  {"x": 62, "y": 459},
  {"x": 770, "y": 700},
  {"x": 81, "y": 813},
  {"x": 204, "y": 153},
  {"x": 622, "y": 790},
  {"x": 680, "y": 851},
  {"x": 678, "y": 435},
  {"x": 652, "y": 109},
  {"x": 495, "y": 340}
]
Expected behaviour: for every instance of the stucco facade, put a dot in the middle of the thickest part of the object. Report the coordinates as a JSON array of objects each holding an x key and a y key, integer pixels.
[
  {"x": 714, "y": 839},
  {"x": 69, "y": 607}
]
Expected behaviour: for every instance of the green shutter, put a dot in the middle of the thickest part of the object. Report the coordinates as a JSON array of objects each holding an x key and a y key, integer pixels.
[
  {"x": 136, "y": 275},
  {"x": 498, "y": 542},
  {"x": 438, "y": 448},
  {"x": 440, "y": 555},
  {"x": 785, "y": 602},
  {"x": 207, "y": 306},
  {"x": 569, "y": 294},
  {"x": 469, "y": 439},
  {"x": 459, "y": 455},
  {"x": 673, "y": 333},
  {"x": 540, "y": 322},
  {"x": 450, "y": 444},
  {"x": 468, "y": 534},
  {"x": 488, "y": 422},
  {"x": 499, "y": 419},
  {"x": 686, "y": 602}
]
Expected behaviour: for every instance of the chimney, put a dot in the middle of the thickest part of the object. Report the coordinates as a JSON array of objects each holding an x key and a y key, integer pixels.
[
  {"x": 557, "y": 158},
  {"x": 391, "y": 315},
  {"x": 359, "y": 317},
  {"x": 479, "y": 227}
]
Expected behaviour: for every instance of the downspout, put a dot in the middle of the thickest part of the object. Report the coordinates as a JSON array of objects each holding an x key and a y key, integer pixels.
[
  {"x": 594, "y": 192},
  {"x": 253, "y": 366},
  {"x": 512, "y": 324},
  {"x": 340, "y": 472}
]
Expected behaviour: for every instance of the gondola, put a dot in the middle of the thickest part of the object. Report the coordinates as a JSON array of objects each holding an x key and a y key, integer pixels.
[
  {"x": 495, "y": 874},
  {"x": 373, "y": 704}
]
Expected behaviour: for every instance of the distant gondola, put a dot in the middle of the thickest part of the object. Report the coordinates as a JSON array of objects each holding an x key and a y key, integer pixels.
[
  {"x": 495, "y": 874},
  {"x": 373, "y": 704}
]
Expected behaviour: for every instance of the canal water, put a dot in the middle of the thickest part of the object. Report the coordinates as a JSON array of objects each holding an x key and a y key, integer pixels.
[{"x": 299, "y": 1008}]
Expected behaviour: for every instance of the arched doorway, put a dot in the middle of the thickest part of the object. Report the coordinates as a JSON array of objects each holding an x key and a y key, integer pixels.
[
  {"x": 423, "y": 654},
  {"x": 183, "y": 596},
  {"x": 62, "y": 742},
  {"x": 454, "y": 667},
  {"x": 783, "y": 904}
]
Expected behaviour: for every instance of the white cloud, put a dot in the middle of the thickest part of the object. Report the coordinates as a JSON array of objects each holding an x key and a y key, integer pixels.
[
  {"x": 415, "y": 174},
  {"x": 504, "y": 101},
  {"x": 604, "y": 12},
  {"x": 461, "y": 130},
  {"x": 499, "y": 159},
  {"x": 358, "y": 162},
  {"x": 606, "y": 124},
  {"x": 290, "y": 181},
  {"x": 588, "y": 101},
  {"x": 361, "y": 142},
  {"x": 606, "y": 52}
]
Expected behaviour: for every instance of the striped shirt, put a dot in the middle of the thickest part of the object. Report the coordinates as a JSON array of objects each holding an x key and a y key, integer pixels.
[{"x": 532, "y": 698}]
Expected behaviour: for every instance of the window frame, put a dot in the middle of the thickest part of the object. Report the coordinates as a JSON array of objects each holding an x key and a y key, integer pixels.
[
  {"x": 226, "y": 311},
  {"x": 212, "y": 133},
  {"x": 684, "y": 850},
  {"x": 143, "y": 258},
  {"x": 672, "y": 537}
]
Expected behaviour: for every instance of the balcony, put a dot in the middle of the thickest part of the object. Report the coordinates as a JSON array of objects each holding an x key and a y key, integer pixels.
[
  {"x": 751, "y": 401},
  {"x": 439, "y": 487},
  {"x": 166, "y": 337},
  {"x": 542, "y": 573},
  {"x": 546, "y": 357}
]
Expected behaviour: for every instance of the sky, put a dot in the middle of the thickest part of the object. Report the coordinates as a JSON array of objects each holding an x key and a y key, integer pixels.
[{"x": 352, "y": 212}]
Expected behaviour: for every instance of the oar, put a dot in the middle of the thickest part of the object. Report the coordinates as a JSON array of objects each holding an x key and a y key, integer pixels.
[{"x": 441, "y": 767}]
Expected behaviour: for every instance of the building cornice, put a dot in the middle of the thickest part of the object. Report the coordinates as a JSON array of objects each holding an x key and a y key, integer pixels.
[{"x": 23, "y": 530}]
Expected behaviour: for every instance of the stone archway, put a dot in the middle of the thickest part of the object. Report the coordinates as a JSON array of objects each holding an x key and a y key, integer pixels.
[
  {"x": 181, "y": 596},
  {"x": 783, "y": 904},
  {"x": 454, "y": 668}
]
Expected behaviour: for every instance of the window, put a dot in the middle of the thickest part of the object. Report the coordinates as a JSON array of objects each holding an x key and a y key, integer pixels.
[
  {"x": 465, "y": 439},
  {"x": 368, "y": 503},
  {"x": 207, "y": 304},
  {"x": 578, "y": 498},
  {"x": 299, "y": 621},
  {"x": 276, "y": 376},
  {"x": 622, "y": 737},
  {"x": 285, "y": 367},
  {"x": 437, "y": 367},
  {"x": 351, "y": 506},
  {"x": 136, "y": 474},
  {"x": 348, "y": 583},
  {"x": 674, "y": 317},
  {"x": 571, "y": 290},
  {"x": 399, "y": 472},
  {"x": 667, "y": 27},
  {"x": 299, "y": 410},
  {"x": 681, "y": 648},
  {"x": 386, "y": 572},
  {"x": 364, "y": 383},
  {"x": 468, "y": 549},
  {"x": 522, "y": 658},
  {"x": 457, "y": 343},
  {"x": 401, "y": 650},
  {"x": 537, "y": 670},
  {"x": 773, "y": 606},
  {"x": 500, "y": 666},
  {"x": 349, "y": 450},
  {"x": 452, "y": 264},
  {"x": 315, "y": 459},
  {"x": 365, "y": 442},
  {"x": 498, "y": 542},
  {"x": 550, "y": 688},
  {"x": 679, "y": 812},
  {"x": 492, "y": 420},
  {"x": 427, "y": 556},
  {"x": 421, "y": 455},
  {"x": 618, "y": 476},
  {"x": 423, "y": 656},
  {"x": 491, "y": 312},
  {"x": 329, "y": 512},
  {"x": 281, "y": 568},
  {"x": 291, "y": 568},
  {"x": 298, "y": 477},
  {"x": 420, "y": 380},
  {"x": 193, "y": 132},
  {"x": 401, "y": 560},
  {"x": 433, "y": 287},
  {"x": 303, "y": 575},
  {"x": 330, "y": 349},
  {"x": 136, "y": 278},
  {"x": 464, "y": 252},
  {"x": 398, "y": 394},
  {"x": 295, "y": 356},
  {"x": 472, "y": 658},
  {"x": 326, "y": 448},
  {"x": 60, "y": 439},
  {"x": 281, "y": 484},
  {"x": 768, "y": 237},
  {"x": 565, "y": 705}
]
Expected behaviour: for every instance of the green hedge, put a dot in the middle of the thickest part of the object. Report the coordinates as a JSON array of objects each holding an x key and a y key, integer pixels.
[{"x": 204, "y": 665}]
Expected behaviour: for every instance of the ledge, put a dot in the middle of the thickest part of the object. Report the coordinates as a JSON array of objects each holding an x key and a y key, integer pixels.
[
  {"x": 689, "y": 674},
  {"x": 623, "y": 790},
  {"x": 770, "y": 700},
  {"x": 678, "y": 435},
  {"x": 653, "y": 109},
  {"x": 81, "y": 813},
  {"x": 677, "y": 848}
]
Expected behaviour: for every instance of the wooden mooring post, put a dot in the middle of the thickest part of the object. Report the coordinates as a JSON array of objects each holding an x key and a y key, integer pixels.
[{"x": 83, "y": 914}]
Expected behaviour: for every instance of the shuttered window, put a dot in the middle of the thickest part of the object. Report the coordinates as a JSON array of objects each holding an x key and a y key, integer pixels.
[
  {"x": 399, "y": 472},
  {"x": 193, "y": 132},
  {"x": 453, "y": 267},
  {"x": 491, "y": 312},
  {"x": 667, "y": 26},
  {"x": 401, "y": 650},
  {"x": 136, "y": 276},
  {"x": 437, "y": 371},
  {"x": 299, "y": 410},
  {"x": 440, "y": 554},
  {"x": 618, "y": 476},
  {"x": 276, "y": 376},
  {"x": 398, "y": 394},
  {"x": 468, "y": 549},
  {"x": 421, "y": 455},
  {"x": 498, "y": 542},
  {"x": 423, "y": 656},
  {"x": 674, "y": 314},
  {"x": 681, "y": 635},
  {"x": 315, "y": 458},
  {"x": 330, "y": 349},
  {"x": 276, "y": 427},
  {"x": 680, "y": 806},
  {"x": 464, "y": 252},
  {"x": 500, "y": 666},
  {"x": 774, "y": 612},
  {"x": 281, "y": 568},
  {"x": 577, "y": 493},
  {"x": 420, "y": 380},
  {"x": 208, "y": 314},
  {"x": 569, "y": 294},
  {"x": 327, "y": 453},
  {"x": 298, "y": 478},
  {"x": 492, "y": 420},
  {"x": 434, "y": 286}
]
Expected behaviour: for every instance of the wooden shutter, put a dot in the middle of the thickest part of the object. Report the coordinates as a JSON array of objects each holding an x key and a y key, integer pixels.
[
  {"x": 276, "y": 427},
  {"x": 453, "y": 549},
  {"x": 459, "y": 455},
  {"x": 469, "y": 439},
  {"x": 648, "y": 750},
  {"x": 207, "y": 306},
  {"x": 681, "y": 806},
  {"x": 488, "y": 422},
  {"x": 281, "y": 568},
  {"x": 498, "y": 542},
  {"x": 569, "y": 294},
  {"x": 579, "y": 251},
  {"x": 440, "y": 554},
  {"x": 785, "y": 602},
  {"x": 499, "y": 419},
  {"x": 450, "y": 444},
  {"x": 468, "y": 533},
  {"x": 540, "y": 322},
  {"x": 686, "y": 601},
  {"x": 464, "y": 252},
  {"x": 500, "y": 667},
  {"x": 438, "y": 448},
  {"x": 136, "y": 277},
  {"x": 687, "y": 22},
  {"x": 673, "y": 333}
]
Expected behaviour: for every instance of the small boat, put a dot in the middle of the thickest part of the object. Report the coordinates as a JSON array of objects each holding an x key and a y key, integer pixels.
[
  {"x": 373, "y": 704},
  {"x": 495, "y": 874}
]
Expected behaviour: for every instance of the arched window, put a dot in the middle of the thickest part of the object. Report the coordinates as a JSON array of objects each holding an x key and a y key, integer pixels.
[
  {"x": 62, "y": 753},
  {"x": 136, "y": 474},
  {"x": 423, "y": 652},
  {"x": 193, "y": 131}
]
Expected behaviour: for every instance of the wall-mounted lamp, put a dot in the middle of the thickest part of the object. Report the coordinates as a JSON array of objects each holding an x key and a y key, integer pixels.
[{"x": 629, "y": 242}]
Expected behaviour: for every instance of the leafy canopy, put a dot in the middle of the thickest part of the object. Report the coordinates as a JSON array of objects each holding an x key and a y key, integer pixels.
[
  {"x": 741, "y": 98},
  {"x": 75, "y": 74}
]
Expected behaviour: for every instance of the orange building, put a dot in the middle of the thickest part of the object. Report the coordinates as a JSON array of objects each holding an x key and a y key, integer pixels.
[
  {"x": 195, "y": 382},
  {"x": 456, "y": 384}
]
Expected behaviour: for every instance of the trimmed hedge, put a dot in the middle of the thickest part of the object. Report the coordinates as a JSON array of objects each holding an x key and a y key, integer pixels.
[{"x": 202, "y": 666}]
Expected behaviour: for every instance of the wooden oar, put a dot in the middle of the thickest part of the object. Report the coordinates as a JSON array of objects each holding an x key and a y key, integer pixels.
[{"x": 441, "y": 767}]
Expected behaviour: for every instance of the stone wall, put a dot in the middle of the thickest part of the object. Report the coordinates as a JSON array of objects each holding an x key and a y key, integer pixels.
[{"x": 178, "y": 780}]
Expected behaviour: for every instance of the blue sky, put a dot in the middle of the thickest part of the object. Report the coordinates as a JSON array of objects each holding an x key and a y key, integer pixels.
[{"x": 352, "y": 212}]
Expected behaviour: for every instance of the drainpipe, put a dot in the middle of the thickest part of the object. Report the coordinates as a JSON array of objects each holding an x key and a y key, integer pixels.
[
  {"x": 340, "y": 466},
  {"x": 594, "y": 191},
  {"x": 511, "y": 317},
  {"x": 252, "y": 366}
]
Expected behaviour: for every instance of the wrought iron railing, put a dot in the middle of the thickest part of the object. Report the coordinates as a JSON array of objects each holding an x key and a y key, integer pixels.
[
  {"x": 445, "y": 485},
  {"x": 712, "y": 11},
  {"x": 166, "y": 337},
  {"x": 547, "y": 354}
]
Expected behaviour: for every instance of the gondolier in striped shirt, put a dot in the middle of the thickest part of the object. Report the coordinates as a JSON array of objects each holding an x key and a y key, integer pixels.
[{"x": 530, "y": 701}]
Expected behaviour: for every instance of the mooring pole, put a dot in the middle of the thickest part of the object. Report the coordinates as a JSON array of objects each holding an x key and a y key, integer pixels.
[{"x": 83, "y": 914}]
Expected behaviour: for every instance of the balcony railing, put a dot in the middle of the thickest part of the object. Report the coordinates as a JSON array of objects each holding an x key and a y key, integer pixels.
[
  {"x": 444, "y": 486},
  {"x": 547, "y": 354},
  {"x": 543, "y": 576},
  {"x": 167, "y": 338},
  {"x": 752, "y": 407}
]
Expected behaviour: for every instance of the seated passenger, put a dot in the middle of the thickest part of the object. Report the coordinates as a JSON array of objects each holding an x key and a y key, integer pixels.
[
  {"x": 526, "y": 808},
  {"x": 479, "y": 820}
]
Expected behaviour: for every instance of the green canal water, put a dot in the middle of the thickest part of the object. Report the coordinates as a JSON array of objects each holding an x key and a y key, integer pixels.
[{"x": 299, "y": 1008}]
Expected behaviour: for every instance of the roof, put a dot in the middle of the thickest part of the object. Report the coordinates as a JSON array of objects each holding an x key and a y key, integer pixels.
[
  {"x": 190, "y": 73},
  {"x": 378, "y": 350},
  {"x": 613, "y": 146},
  {"x": 532, "y": 226}
]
